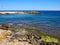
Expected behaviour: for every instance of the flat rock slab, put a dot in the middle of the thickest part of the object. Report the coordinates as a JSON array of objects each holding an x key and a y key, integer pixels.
[{"x": 15, "y": 43}]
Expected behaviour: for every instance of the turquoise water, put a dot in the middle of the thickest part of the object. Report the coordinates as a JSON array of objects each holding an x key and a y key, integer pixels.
[{"x": 47, "y": 21}]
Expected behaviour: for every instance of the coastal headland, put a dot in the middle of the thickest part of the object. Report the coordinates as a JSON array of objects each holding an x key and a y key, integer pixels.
[{"x": 20, "y": 12}]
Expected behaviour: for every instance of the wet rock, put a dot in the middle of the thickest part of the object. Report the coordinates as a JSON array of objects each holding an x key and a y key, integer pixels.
[
  {"x": 21, "y": 36},
  {"x": 4, "y": 26}
]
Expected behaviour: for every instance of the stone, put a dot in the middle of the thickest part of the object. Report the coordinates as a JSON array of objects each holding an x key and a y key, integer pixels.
[{"x": 4, "y": 33}]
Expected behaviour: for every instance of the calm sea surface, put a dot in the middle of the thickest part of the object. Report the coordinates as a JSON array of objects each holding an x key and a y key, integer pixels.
[{"x": 48, "y": 21}]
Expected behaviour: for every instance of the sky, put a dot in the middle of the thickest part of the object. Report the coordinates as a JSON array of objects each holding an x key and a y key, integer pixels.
[{"x": 29, "y": 4}]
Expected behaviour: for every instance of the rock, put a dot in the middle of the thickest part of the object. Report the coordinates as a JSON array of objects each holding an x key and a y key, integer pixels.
[
  {"x": 20, "y": 37},
  {"x": 15, "y": 40},
  {"x": 0, "y": 26},
  {"x": 4, "y": 33},
  {"x": 4, "y": 26}
]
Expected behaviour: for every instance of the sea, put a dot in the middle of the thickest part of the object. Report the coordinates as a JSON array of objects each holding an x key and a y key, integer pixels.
[{"x": 47, "y": 21}]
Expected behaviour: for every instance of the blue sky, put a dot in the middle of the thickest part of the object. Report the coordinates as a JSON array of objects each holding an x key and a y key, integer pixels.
[{"x": 29, "y": 4}]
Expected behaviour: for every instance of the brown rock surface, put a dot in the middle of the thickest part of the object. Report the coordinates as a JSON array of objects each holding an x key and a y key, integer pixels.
[
  {"x": 8, "y": 37},
  {"x": 4, "y": 33},
  {"x": 4, "y": 40}
]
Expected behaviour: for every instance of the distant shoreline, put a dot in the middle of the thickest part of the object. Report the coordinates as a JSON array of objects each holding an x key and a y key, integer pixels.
[{"x": 21, "y": 12}]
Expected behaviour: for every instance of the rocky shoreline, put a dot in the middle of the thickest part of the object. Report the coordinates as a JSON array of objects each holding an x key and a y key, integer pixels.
[
  {"x": 12, "y": 35},
  {"x": 29, "y": 12}
]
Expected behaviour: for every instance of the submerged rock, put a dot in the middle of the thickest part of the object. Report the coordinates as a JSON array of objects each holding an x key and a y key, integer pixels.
[{"x": 21, "y": 36}]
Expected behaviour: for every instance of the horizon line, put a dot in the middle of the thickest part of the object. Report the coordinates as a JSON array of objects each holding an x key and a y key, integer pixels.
[{"x": 37, "y": 10}]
